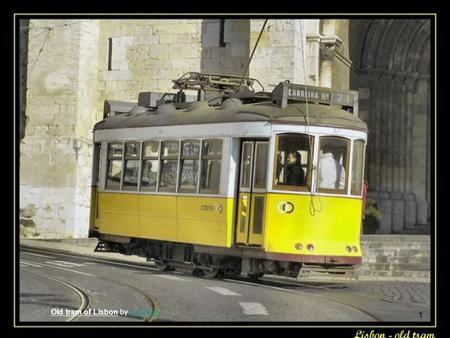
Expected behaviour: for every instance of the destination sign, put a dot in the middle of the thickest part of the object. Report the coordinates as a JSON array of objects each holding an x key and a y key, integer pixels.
[
  {"x": 286, "y": 91},
  {"x": 319, "y": 95}
]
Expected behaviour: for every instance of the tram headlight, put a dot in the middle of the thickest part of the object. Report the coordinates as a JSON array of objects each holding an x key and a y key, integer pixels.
[
  {"x": 299, "y": 246},
  {"x": 310, "y": 247},
  {"x": 348, "y": 248},
  {"x": 355, "y": 249}
]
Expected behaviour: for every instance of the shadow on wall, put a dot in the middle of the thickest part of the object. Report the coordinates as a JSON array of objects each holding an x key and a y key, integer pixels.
[{"x": 225, "y": 46}]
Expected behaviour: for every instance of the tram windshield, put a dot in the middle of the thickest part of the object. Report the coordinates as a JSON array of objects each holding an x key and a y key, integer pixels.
[
  {"x": 333, "y": 163},
  {"x": 293, "y": 161}
]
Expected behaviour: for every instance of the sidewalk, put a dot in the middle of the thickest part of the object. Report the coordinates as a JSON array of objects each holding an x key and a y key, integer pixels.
[
  {"x": 82, "y": 246},
  {"x": 407, "y": 291}
]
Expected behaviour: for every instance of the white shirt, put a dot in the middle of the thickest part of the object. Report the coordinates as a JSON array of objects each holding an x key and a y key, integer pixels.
[{"x": 331, "y": 172}]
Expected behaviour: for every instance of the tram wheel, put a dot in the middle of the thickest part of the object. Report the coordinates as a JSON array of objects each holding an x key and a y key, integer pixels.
[
  {"x": 211, "y": 273},
  {"x": 162, "y": 266},
  {"x": 255, "y": 276}
]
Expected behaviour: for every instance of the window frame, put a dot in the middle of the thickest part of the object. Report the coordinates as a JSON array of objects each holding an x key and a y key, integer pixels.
[
  {"x": 242, "y": 171},
  {"x": 308, "y": 187},
  {"x": 130, "y": 158},
  {"x": 111, "y": 157},
  {"x": 254, "y": 164},
  {"x": 190, "y": 157},
  {"x": 210, "y": 157},
  {"x": 169, "y": 158},
  {"x": 362, "y": 167},
  {"x": 141, "y": 144},
  {"x": 150, "y": 158},
  {"x": 345, "y": 190}
]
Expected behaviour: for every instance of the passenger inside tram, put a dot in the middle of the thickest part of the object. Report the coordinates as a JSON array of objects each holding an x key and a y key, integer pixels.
[
  {"x": 331, "y": 171},
  {"x": 295, "y": 173},
  {"x": 293, "y": 158}
]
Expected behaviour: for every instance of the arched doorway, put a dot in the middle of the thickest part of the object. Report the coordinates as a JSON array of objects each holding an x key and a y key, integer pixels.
[{"x": 391, "y": 59}]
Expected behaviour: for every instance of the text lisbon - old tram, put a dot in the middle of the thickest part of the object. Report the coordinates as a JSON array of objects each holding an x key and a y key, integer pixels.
[{"x": 234, "y": 181}]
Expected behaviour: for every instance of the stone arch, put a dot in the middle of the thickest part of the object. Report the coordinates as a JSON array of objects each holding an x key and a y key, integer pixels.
[{"x": 395, "y": 69}]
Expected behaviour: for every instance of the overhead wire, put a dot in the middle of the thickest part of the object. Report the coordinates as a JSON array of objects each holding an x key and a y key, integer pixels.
[
  {"x": 314, "y": 178},
  {"x": 253, "y": 52}
]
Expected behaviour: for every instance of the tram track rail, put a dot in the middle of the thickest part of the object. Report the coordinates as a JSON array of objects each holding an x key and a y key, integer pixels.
[
  {"x": 280, "y": 283},
  {"x": 149, "y": 315},
  {"x": 84, "y": 298},
  {"x": 152, "y": 314},
  {"x": 264, "y": 284}
]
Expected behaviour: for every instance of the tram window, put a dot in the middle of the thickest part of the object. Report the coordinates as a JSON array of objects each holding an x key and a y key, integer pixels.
[
  {"x": 189, "y": 166},
  {"x": 149, "y": 175},
  {"x": 169, "y": 166},
  {"x": 114, "y": 172},
  {"x": 261, "y": 165},
  {"x": 333, "y": 163},
  {"x": 357, "y": 168},
  {"x": 131, "y": 167},
  {"x": 293, "y": 162},
  {"x": 247, "y": 155},
  {"x": 211, "y": 166},
  {"x": 150, "y": 164}
]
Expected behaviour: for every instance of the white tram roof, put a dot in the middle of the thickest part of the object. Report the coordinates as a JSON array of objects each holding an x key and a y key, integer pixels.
[{"x": 232, "y": 110}]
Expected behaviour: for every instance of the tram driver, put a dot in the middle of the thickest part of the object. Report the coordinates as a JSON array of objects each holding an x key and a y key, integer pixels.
[
  {"x": 295, "y": 172},
  {"x": 331, "y": 171}
]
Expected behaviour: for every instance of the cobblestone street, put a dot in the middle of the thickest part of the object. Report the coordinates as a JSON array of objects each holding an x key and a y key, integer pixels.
[{"x": 404, "y": 292}]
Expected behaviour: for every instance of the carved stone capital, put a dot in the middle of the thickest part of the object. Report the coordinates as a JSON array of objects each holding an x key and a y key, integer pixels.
[
  {"x": 411, "y": 82},
  {"x": 313, "y": 38},
  {"x": 399, "y": 79},
  {"x": 328, "y": 46},
  {"x": 379, "y": 78}
]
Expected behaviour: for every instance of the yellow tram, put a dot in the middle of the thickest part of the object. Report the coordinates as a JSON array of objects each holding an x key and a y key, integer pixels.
[{"x": 235, "y": 181}]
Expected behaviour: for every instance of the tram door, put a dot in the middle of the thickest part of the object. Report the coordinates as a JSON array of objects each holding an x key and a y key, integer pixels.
[{"x": 252, "y": 192}]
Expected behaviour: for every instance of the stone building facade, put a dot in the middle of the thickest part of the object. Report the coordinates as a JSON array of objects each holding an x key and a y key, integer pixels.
[
  {"x": 74, "y": 65},
  {"x": 392, "y": 63}
]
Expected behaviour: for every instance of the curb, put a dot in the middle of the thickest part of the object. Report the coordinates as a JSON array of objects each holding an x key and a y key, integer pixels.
[{"x": 90, "y": 255}]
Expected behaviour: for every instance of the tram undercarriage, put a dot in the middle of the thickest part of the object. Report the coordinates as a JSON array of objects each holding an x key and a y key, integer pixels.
[{"x": 211, "y": 262}]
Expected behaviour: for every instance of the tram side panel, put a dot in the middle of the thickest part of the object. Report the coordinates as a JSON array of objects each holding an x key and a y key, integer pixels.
[
  {"x": 331, "y": 225},
  {"x": 158, "y": 217},
  {"x": 203, "y": 220},
  {"x": 118, "y": 214},
  {"x": 186, "y": 219}
]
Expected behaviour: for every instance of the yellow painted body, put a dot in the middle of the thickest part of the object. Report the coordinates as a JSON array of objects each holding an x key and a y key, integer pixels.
[
  {"x": 334, "y": 224},
  {"x": 288, "y": 220},
  {"x": 187, "y": 219},
  {"x": 94, "y": 216},
  {"x": 245, "y": 233}
]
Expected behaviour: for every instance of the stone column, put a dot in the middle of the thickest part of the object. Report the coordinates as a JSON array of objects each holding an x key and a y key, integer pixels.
[
  {"x": 398, "y": 205},
  {"x": 385, "y": 206},
  {"x": 328, "y": 46},
  {"x": 313, "y": 52},
  {"x": 410, "y": 211},
  {"x": 56, "y": 153},
  {"x": 419, "y": 151},
  {"x": 86, "y": 118}
]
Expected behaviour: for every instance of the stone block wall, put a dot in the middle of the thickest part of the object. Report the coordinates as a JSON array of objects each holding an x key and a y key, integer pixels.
[
  {"x": 230, "y": 58},
  {"x": 55, "y": 153},
  {"x": 281, "y": 52},
  {"x": 73, "y": 66}
]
